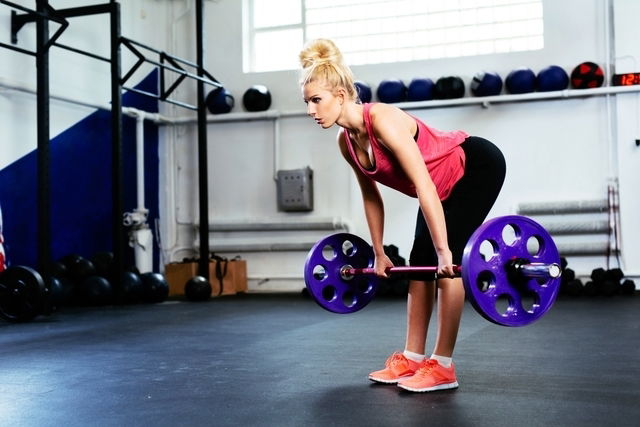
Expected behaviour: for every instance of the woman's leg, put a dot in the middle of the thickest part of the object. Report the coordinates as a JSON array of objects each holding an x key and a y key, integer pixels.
[
  {"x": 450, "y": 305},
  {"x": 419, "y": 308}
]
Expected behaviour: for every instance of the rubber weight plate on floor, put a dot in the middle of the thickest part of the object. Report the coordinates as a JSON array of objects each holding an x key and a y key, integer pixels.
[{"x": 22, "y": 294}]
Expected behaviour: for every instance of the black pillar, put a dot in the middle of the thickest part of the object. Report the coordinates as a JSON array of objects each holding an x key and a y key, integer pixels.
[
  {"x": 44, "y": 192},
  {"x": 203, "y": 179},
  {"x": 116, "y": 142}
]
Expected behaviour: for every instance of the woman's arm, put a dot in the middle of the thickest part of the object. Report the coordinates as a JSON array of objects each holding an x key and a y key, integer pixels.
[
  {"x": 373, "y": 209},
  {"x": 393, "y": 128}
]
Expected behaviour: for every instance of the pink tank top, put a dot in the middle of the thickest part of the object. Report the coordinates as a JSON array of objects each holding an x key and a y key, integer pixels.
[{"x": 440, "y": 150}]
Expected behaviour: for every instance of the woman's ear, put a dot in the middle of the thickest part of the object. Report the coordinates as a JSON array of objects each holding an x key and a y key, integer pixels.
[{"x": 342, "y": 95}]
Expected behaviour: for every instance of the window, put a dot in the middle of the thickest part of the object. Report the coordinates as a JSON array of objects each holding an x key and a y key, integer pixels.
[{"x": 378, "y": 31}]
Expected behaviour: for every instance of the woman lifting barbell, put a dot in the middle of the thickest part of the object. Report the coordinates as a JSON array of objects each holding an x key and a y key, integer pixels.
[{"x": 456, "y": 179}]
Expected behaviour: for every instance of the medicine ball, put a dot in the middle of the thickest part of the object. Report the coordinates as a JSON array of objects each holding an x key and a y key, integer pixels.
[
  {"x": 587, "y": 75},
  {"x": 450, "y": 87},
  {"x": 257, "y": 98},
  {"x": 219, "y": 101},
  {"x": 94, "y": 290},
  {"x": 62, "y": 291},
  {"x": 197, "y": 289},
  {"x": 130, "y": 290},
  {"x": 154, "y": 287},
  {"x": 363, "y": 90},
  {"x": 521, "y": 80},
  {"x": 420, "y": 89},
  {"x": 78, "y": 267},
  {"x": 391, "y": 91},
  {"x": 552, "y": 78},
  {"x": 103, "y": 262},
  {"x": 486, "y": 83}
]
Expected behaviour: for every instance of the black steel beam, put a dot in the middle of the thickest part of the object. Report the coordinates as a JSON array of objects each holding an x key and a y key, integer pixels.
[
  {"x": 43, "y": 155},
  {"x": 18, "y": 49},
  {"x": 116, "y": 143},
  {"x": 203, "y": 174}
]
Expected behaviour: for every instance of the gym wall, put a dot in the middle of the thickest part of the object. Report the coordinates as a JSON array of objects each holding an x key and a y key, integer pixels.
[{"x": 557, "y": 150}]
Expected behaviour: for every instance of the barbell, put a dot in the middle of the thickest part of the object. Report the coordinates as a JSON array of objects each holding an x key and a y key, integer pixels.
[{"x": 510, "y": 270}]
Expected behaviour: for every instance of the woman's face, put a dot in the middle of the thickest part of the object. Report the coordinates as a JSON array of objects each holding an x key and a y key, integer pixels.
[{"x": 322, "y": 104}]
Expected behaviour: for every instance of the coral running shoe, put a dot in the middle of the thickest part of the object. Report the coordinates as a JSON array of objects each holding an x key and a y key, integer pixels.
[
  {"x": 396, "y": 368},
  {"x": 431, "y": 376}
]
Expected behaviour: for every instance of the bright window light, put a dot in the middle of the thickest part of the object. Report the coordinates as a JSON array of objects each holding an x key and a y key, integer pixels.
[{"x": 382, "y": 31}]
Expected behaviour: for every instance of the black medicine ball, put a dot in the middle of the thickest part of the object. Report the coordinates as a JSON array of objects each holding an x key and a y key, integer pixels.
[
  {"x": 449, "y": 88},
  {"x": 257, "y": 98},
  {"x": 197, "y": 289},
  {"x": 219, "y": 101},
  {"x": 587, "y": 75}
]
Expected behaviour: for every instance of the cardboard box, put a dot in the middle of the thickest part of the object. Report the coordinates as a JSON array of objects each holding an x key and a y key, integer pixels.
[{"x": 232, "y": 274}]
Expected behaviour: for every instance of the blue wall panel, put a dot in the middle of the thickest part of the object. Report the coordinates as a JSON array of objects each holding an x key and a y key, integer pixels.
[{"x": 81, "y": 199}]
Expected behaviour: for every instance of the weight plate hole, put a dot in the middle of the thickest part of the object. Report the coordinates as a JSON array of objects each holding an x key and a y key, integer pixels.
[
  {"x": 534, "y": 245},
  {"x": 349, "y": 299},
  {"x": 328, "y": 253},
  {"x": 363, "y": 286},
  {"x": 485, "y": 281},
  {"x": 329, "y": 293},
  {"x": 510, "y": 234},
  {"x": 504, "y": 305},
  {"x": 488, "y": 249},
  {"x": 319, "y": 272},
  {"x": 529, "y": 301},
  {"x": 348, "y": 248}
]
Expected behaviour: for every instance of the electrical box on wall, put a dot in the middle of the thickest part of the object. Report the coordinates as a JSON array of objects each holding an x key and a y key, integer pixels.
[{"x": 295, "y": 189}]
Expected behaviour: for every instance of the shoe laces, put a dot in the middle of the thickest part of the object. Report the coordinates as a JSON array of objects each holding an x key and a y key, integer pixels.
[
  {"x": 395, "y": 359},
  {"x": 427, "y": 366}
]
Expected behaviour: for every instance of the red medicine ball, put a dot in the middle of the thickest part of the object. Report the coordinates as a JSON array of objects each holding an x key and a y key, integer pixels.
[{"x": 587, "y": 75}]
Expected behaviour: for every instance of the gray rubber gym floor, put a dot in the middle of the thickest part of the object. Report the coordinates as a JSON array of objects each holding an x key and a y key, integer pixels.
[{"x": 258, "y": 360}]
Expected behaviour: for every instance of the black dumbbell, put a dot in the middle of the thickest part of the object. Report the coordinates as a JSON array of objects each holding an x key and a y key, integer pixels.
[
  {"x": 574, "y": 287},
  {"x": 590, "y": 289},
  {"x": 628, "y": 287}
]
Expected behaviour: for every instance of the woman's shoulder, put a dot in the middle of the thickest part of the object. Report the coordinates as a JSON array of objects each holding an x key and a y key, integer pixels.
[{"x": 381, "y": 113}]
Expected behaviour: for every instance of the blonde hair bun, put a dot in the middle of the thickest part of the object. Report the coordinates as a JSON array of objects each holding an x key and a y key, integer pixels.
[
  {"x": 322, "y": 61},
  {"x": 320, "y": 51}
]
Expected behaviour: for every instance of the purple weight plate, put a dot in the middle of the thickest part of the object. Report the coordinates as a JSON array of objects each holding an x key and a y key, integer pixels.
[
  {"x": 486, "y": 282},
  {"x": 322, "y": 273}
]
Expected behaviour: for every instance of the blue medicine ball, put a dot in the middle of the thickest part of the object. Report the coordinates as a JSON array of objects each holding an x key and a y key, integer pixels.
[
  {"x": 486, "y": 83},
  {"x": 219, "y": 101},
  {"x": 521, "y": 80},
  {"x": 420, "y": 90},
  {"x": 391, "y": 91},
  {"x": 364, "y": 91},
  {"x": 552, "y": 78}
]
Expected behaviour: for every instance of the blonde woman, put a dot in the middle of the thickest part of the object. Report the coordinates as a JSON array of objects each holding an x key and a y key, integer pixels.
[{"x": 456, "y": 179}]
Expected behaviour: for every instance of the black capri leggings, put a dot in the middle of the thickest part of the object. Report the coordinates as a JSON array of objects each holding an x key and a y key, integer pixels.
[{"x": 466, "y": 207}]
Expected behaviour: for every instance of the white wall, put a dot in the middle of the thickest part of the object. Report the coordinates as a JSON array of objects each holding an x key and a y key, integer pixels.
[{"x": 556, "y": 150}]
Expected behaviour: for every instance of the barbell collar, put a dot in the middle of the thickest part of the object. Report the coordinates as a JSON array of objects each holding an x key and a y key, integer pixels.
[{"x": 540, "y": 270}]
